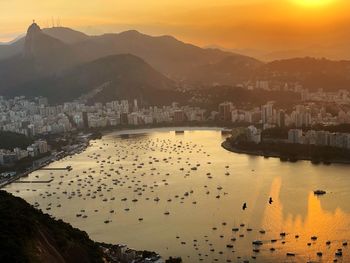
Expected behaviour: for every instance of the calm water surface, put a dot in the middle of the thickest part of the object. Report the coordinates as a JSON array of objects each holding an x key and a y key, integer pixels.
[{"x": 202, "y": 187}]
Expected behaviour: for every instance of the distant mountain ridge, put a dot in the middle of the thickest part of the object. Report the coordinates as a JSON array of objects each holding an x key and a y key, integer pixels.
[
  {"x": 122, "y": 76},
  {"x": 312, "y": 73},
  {"x": 165, "y": 53},
  {"x": 40, "y": 56},
  {"x": 50, "y": 55},
  {"x": 47, "y": 61},
  {"x": 65, "y": 34}
]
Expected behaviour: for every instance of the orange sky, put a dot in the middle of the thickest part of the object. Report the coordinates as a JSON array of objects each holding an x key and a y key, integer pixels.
[{"x": 255, "y": 24}]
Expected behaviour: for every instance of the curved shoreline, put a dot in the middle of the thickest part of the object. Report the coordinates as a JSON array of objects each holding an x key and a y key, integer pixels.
[
  {"x": 227, "y": 146},
  {"x": 161, "y": 129}
]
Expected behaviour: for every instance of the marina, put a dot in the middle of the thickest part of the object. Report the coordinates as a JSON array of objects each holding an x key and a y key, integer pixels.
[{"x": 191, "y": 192}]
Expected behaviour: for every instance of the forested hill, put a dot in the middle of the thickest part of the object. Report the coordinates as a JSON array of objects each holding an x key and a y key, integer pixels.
[
  {"x": 10, "y": 140},
  {"x": 28, "y": 235}
]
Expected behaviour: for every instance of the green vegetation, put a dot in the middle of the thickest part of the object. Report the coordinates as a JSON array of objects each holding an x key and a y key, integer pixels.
[
  {"x": 238, "y": 133},
  {"x": 10, "y": 140},
  {"x": 28, "y": 235},
  {"x": 293, "y": 152},
  {"x": 345, "y": 128},
  {"x": 282, "y": 133},
  {"x": 275, "y": 133}
]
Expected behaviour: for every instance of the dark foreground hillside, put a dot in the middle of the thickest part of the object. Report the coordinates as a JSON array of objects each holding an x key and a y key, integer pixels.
[{"x": 28, "y": 235}]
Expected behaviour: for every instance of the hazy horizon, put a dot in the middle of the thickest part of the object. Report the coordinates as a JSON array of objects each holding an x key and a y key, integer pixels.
[{"x": 257, "y": 27}]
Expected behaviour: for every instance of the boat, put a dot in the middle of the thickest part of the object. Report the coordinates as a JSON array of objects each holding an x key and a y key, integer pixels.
[
  {"x": 319, "y": 192},
  {"x": 339, "y": 254},
  {"x": 290, "y": 254},
  {"x": 257, "y": 242}
]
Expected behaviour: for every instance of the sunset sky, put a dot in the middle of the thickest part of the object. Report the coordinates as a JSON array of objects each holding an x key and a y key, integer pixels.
[{"x": 269, "y": 25}]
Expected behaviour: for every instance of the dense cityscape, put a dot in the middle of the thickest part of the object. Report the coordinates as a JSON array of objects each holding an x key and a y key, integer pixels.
[
  {"x": 36, "y": 118},
  {"x": 174, "y": 131}
]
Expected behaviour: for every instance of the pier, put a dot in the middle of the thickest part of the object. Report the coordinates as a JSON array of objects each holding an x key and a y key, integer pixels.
[
  {"x": 68, "y": 168},
  {"x": 34, "y": 182}
]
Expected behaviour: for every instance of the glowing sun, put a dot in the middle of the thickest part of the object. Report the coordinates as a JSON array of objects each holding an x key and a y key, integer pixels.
[{"x": 313, "y": 3}]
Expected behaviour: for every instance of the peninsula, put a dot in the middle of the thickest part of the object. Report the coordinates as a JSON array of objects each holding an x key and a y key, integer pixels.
[{"x": 292, "y": 146}]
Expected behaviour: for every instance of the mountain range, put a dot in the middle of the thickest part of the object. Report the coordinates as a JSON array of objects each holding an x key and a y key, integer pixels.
[
  {"x": 130, "y": 64},
  {"x": 134, "y": 64}
]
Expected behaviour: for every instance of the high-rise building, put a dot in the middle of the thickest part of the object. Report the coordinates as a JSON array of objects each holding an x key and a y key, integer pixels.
[
  {"x": 295, "y": 136},
  {"x": 267, "y": 113},
  {"x": 43, "y": 101},
  {"x": 124, "y": 118},
  {"x": 262, "y": 84},
  {"x": 225, "y": 111},
  {"x": 179, "y": 116},
  {"x": 85, "y": 120},
  {"x": 281, "y": 119},
  {"x": 42, "y": 146},
  {"x": 136, "y": 107},
  {"x": 322, "y": 138}
]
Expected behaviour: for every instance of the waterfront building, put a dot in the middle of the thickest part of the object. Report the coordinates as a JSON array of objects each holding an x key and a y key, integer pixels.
[
  {"x": 253, "y": 134},
  {"x": 42, "y": 146},
  {"x": 322, "y": 138},
  {"x": 7, "y": 157},
  {"x": 295, "y": 136},
  {"x": 179, "y": 116},
  {"x": 225, "y": 109}
]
